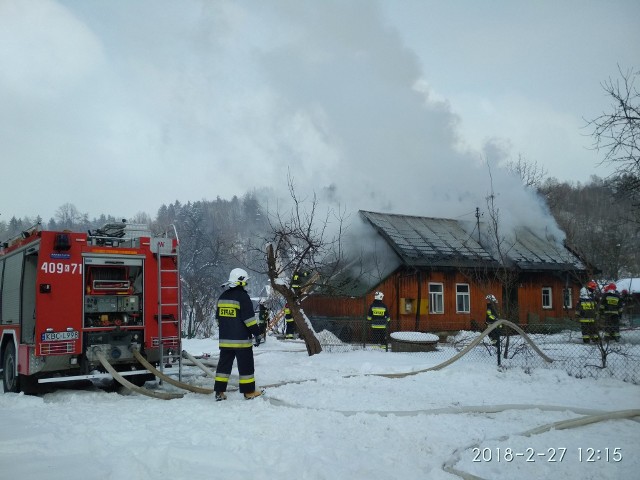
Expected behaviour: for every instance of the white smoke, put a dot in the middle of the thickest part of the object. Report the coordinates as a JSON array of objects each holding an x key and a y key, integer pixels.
[
  {"x": 356, "y": 123},
  {"x": 200, "y": 99}
]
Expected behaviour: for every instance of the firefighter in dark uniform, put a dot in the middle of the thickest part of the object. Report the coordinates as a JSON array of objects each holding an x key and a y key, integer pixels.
[
  {"x": 263, "y": 318},
  {"x": 378, "y": 318},
  {"x": 291, "y": 325},
  {"x": 492, "y": 316},
  {"x": 237, "y": 323},
  {"x": 298, "y": 280},
  {"x": 586, "y": 312},
  {"x": 610, "y": 312}
]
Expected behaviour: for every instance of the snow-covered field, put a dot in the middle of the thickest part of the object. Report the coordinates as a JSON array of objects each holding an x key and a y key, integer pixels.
[{"x": 330, "y": 417}]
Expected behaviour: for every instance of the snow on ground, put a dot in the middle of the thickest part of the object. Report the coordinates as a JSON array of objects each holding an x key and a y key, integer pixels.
[
  {"x": 414, "y": 336},
  {"x": 333, "y": 420}
]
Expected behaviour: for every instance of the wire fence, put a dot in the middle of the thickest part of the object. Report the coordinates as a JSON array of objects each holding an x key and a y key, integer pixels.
[{"x": 562, "y": 342}]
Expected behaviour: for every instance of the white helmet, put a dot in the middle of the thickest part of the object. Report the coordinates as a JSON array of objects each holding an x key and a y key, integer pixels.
[
  {"x": 238, "y": 276},
  {"x": 491, "y": 298},
  {"x": 378, "y": 295}
]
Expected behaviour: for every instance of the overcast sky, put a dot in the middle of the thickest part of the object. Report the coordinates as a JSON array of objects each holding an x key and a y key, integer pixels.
[{"x": 120, "y": 106}]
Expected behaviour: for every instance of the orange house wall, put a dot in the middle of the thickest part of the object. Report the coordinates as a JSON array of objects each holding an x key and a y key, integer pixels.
[
  {"x": 530, "y": 298},
  {"x": 405, "y": 285}
]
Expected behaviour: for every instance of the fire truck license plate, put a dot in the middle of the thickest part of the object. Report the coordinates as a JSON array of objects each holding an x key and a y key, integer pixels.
[{"x": 57, "y": 336}]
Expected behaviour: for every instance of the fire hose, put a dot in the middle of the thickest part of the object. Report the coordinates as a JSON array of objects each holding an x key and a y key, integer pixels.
[
  {"x": 590, "y": 416},
  {"x": 199, "y": 364},
  {"x": 469, "y": 347},
  {"x": 449, "y": 465},
  {"x": 126, "y": 383},
  {"x": 168, "y": 379}
]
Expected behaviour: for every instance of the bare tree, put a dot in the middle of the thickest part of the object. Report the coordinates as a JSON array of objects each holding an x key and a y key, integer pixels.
[
  {"x": 618, "y": 131},
  {"x": 203, "y": 248},
  {"x": 70, "y": 218},
  {"x": 302, "y": 241},
  {"x": 141, "y": 217},
  {"x": 531, "y": 174},
  {"x": 597, "y": 222}
]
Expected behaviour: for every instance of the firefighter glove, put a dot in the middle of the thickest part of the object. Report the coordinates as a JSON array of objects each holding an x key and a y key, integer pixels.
[{"x": 258, "y": 340}]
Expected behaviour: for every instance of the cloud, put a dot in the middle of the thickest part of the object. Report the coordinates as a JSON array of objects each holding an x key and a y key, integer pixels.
[{"x": 55, "y": 55}]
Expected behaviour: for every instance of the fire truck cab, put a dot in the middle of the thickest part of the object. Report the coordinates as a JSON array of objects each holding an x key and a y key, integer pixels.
[{"x": 68, "y": 298}]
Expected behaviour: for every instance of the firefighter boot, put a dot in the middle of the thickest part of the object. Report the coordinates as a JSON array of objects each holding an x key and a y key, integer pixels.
[
  {"x": 220, "y": 396},
  {"x": 254, "y": 394}
]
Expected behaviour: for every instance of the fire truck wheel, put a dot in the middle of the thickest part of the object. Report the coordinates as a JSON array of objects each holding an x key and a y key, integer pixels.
[{"x": 9, "y": 376}]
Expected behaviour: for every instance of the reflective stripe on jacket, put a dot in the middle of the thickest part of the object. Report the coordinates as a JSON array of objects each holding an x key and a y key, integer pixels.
[
  {"x": 491, "y": 314},
  {"x": 586, "y": 310},
  {"x": 378, "y": 314},
  {"x": 236, "y": 319},
  {"x": 611, "y": 304}
]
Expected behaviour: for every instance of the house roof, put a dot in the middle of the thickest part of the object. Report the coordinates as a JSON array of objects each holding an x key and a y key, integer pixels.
[
  {"x": 442, "y": 242},
  {"x": 532, "y": 252},
  {"x": 423, "y": 241}
]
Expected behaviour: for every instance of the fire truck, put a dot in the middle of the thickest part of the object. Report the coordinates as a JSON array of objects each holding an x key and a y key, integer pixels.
[{"x": 69, "y": 302}]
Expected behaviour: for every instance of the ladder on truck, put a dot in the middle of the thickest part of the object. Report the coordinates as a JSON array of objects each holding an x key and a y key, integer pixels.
[{"x": 168, "y": 287}]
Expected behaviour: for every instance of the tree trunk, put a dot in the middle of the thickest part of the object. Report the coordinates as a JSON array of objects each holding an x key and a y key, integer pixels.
[
  {"x": 310, "y": 340},
  {"x": 190, "y": 329}
]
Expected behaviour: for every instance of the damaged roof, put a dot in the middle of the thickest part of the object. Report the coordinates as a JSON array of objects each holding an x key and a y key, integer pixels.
[
  {"x": 442, "y": 242},
  {"x": 534, "y": 252}
]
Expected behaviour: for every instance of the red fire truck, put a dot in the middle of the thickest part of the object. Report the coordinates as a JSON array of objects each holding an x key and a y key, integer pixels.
[{"x": 67, "y": 299}]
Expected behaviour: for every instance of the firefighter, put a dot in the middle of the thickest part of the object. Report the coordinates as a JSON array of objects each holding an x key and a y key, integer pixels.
[
  {"x": 610, "y": 311},
  {"x": 263, "y": 317},
  {"x": 378, "y": 318},
  {"x": 492, "y": 316},
  {"x": 291, "y": 325},
  {"x": 625, "y": 298},
  {"x": 237, "y": 323},
  {"x": 586, "y": 313},
  {"x": 298, "y": 280}
]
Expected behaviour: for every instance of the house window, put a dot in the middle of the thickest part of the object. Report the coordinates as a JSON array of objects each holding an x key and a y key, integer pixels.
[
  {"x": 436, "y": 298},
  {"x": 567, "y": 299},
  {"x": 547, "y": 301},
  {"x": 462, "y": 298}
]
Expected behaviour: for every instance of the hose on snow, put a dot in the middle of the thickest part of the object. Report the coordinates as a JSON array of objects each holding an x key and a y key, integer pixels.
[
  {"x": 469, "y": 347},
  {"x": 449, "y": 465}
]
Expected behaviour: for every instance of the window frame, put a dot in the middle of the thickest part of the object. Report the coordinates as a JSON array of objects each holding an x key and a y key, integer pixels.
[
  {"x": 567, "y": 296},
  {"x": 547, "y": 292},
  {"x": 464, "y": 296},
  {"x": 436, "y": 299}
]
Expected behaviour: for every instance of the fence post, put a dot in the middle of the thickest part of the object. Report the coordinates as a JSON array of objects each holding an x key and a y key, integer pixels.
[{"x": 364, "y": 322}]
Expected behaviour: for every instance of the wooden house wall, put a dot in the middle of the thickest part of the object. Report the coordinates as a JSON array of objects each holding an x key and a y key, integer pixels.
[
  {"x": 530, "y": 298},
  {"x": 415, "y": 288},
  {"x": 352, "y": 307},
  {"x": 336, "y": 307},
  {"x": 411, "y": 286}
]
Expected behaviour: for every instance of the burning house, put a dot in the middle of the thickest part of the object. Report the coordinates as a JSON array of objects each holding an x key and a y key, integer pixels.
[{"x": 442, "y": 269}]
